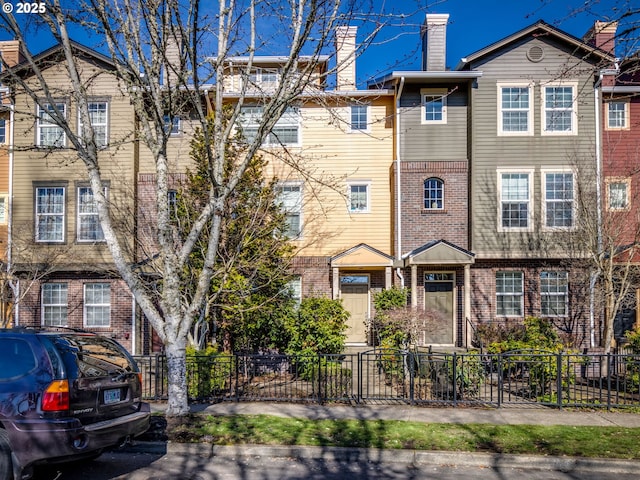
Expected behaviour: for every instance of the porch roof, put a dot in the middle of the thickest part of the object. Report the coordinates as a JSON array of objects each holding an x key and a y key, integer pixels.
[{"x": 439, "y": 252}]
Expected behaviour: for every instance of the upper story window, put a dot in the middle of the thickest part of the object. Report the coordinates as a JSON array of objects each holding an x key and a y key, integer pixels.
[
  {"x": 264, "y": 77},
  {"x": 89, "y": 229},
  {"x": 515, "y": 115},
  {"x": 50, "y": 214},
  {"x": 434, "y": 105},
  {"x": 295, "y": 289},
  {"x": 433, "y": 194},
  {"x": 48, "y": 133},
  {"x": 359, "y": 118},
  {"x": 559, "y": 110},
  {"x": 99, "y": 117},
  {"x": 97, "y": 304},
  {"x": 514, "y": 202},
  {"x": 554, "y": 294},
  {"x": 4, "y": 203},
  {"x": 172, "y": 125},
  {"x": 290, "y": 197},
  {"x": 617, "y": 115},
  {"x": 618, "y": 194},
  {"x": 358, "y": 197},
  {"x": 3, "y": 130},
  {"x": 509, "y": 294},
  {"x": 558, "y": 195},
  {"x": 284, "y": 132},
  {"x": 54, "y": 304}
]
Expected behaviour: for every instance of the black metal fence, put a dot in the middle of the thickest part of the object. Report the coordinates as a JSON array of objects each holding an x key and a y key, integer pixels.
[{"x": 524, "y": 377}]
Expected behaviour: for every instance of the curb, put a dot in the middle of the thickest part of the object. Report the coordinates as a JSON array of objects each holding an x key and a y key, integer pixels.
[{"x": 407, "y": 457}]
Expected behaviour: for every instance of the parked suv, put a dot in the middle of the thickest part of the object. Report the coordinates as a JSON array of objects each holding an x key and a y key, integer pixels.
[{"x": 64, "y": 395}]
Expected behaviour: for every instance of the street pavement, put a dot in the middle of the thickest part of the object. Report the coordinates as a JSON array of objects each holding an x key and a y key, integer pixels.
[{"x": 534, "y": 415}]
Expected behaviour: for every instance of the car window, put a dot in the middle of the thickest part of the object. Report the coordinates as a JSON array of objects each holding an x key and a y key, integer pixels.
[
  {"x": 16, "y": 358},
  {"x": 95, "y": 356}
]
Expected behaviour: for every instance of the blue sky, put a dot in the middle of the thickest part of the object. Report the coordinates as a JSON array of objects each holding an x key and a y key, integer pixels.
[{"x": 476, "y": 24}]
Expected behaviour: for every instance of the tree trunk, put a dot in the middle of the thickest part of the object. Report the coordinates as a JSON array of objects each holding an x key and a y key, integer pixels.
[{"x": 178, "y": 403}]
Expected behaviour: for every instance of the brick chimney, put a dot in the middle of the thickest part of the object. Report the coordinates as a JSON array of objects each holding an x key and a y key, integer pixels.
[
  {"x": 346, "y": 58},
  {"x": 434, "y": 42},
  {"x": 11, "y": 53},
  {"x": 603, "y": 36}
]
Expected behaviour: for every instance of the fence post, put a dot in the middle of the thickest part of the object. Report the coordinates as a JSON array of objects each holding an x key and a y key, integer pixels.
[
  {"x": 500, "y": 380},
  {"x": 454, "y": 380},
  {"x": 609, "y": 381},
  {"x": 559, "y": 379},
  {"x": 412, "y": 377},
  {"x": 320, "y": 396}
]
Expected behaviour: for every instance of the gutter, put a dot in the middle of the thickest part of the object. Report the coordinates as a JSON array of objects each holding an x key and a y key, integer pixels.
[{"x": 398, "y": 190}]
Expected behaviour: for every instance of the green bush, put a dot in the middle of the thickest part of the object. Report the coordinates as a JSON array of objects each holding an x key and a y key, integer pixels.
[
  {"x": 393, "y": 331},
  {"x": 208, "y": 372}
]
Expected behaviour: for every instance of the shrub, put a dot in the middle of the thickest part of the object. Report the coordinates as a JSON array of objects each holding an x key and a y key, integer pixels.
[{"x": 207, "y": 372}]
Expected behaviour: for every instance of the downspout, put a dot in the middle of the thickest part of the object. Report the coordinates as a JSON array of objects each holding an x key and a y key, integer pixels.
[
  {"x": 398, "y": 192},
  {"x": 594, "y": 275},
  {"x": 16, "y": 308}
]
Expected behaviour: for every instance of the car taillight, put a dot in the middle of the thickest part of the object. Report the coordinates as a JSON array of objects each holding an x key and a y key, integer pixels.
[
  {"x": 140, "y": 379},
  {"x": 56, "y": 397}
]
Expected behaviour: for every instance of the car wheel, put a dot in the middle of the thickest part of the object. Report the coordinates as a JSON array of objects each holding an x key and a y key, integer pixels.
[{"x": 6, "y": 467}]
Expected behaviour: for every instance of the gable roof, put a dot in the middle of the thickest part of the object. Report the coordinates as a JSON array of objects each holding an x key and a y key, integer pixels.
[
  {"x": 540, "y": 27},
  {"x": 362, "y": 255},
  {"x": 438, "y": 252}
]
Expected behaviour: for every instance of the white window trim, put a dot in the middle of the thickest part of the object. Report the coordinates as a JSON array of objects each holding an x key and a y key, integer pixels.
[
  {"x": 543, "y": 200},
  {"x": 360, "y": 130},
  {"x": 301, "y": 211},
  {"x": 433, "y": 92},
  {"x": 530, "y": 172},
  {"x": 106, "y": 124},
  {"x": 42, "y": 304},
  {"x": 39, "y": 126},
  {"x": 530, "y": 119},
  {"x": 554, "y": 294},
  {"x": 85, "y": 304},
  {"x": 4, "y": 123},
  {"x": 625, "y": 180},
  {"x": 176, "y": 125},
  {"x": 433, "y": 209},
  {"x": 574, "y": 109},
  {"x": 63, "y": 214},
  {"x": 4, "y": 198},
  {"x": 298, "y": 125},
  {"x": 626, "y": 103},
  {"x": 352, "y": 183},
  {"x": 520, "y": 294},
  {"x": 78, "y": 215}
]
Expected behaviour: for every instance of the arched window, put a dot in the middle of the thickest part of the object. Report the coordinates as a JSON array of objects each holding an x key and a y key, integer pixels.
[{"x": 433, "y": 194}]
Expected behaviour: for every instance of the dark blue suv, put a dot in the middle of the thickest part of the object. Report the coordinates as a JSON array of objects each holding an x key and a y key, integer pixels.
[{"x": 64, "y": 395}]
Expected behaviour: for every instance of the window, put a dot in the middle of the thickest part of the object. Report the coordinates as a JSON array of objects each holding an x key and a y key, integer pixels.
[
  {"x": 97, "y": 304},
  {"x": 509, "y": 292},
  {"x": 434, "y": 106},
  {"x": 553, "y": 293},
  {"x": 284, "y": 132},
  {"x": 98, "y": 115},
  {"x": 172, "y": 125},
  {"x": 3, "y": 130},
  {"x": 559, "y": 114},
  {"x": 290, "y": 196},
  {"x": 50, "y": 212},
  {"x": 3, "y": 208},
  {"x": 358, "y": 198},
  {"x": 359, "y": 117},
  {"x": 54, "y": 304},
  {"x": 89, "y": 229},
  {"x": 433, "y": 194},
  {"x": 49, "y": 134},
  {"x": 558, "y": 199},
  {"x": 264, "y": 77},
  {"x": 515, "y": 112},
  {"x": 617, "y": 115},
  {"x": 618, "y": 194},
  {"x": 295, "y": 289},
  {"x": 515, "y": 212}
]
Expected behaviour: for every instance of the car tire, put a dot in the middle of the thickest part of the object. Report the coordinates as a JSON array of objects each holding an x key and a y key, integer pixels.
[{"x": 6, "y": 466}]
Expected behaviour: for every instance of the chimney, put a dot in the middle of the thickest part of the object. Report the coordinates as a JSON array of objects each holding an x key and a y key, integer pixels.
[
  {"x": 173, "y": 60},
  {"x": 434, "y": 42},
  {"x": 346, "y": 58},
  {"x": 603, "y": 36},
  {"x": 11, "y": 53}
]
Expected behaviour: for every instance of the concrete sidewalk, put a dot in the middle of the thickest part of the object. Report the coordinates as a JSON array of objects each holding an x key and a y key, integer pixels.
[{"x": 534, "y": 415}]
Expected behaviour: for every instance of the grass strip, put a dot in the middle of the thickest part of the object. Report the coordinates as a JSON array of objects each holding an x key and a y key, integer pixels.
[{"x": 560, "y": 440}]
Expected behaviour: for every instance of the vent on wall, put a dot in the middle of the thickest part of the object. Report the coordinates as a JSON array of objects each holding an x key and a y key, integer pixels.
[{"x": 535, "y": 53}]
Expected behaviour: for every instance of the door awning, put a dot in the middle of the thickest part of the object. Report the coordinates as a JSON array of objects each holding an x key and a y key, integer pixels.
[{"x": 438, "y": 252}]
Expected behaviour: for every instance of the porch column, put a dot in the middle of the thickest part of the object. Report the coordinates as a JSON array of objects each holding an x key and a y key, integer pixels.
[
  {"x": 387, "y": 278},
  {"x": 335, "y": 290},
  {"x": 467, "y": 305},
  {"x": 414, "y": 286}
]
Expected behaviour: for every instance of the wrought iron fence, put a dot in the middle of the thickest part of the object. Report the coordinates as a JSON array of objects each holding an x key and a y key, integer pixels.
[{"x": 524, "y": 377}]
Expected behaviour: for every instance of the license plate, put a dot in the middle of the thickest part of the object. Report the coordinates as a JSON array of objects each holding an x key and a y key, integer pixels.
[{"x": 111, "y": 396}]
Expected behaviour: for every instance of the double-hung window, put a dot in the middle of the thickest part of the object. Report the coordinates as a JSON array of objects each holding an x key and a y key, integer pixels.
[
  {"x": 559, "y": 110},
  {"x": 284, "y": 132},
  {"x": 618, "y": 194},
  {"x": 434, "y": 105},
  {"x": 3, "y": 130},
  {"x": 99, "y": 118},
  {"x": 554, "y": 294},
  {"x": 49, "y": 134},
  {"x": 509, "y": 294},
  {"x": 97, "y": 304},
  {"x": 50, "y": 214},
  {"x": 617, "y": 115},
  {"x": 290, "y": 197},
  {"x": 433, "y": 194},
  {"x": 558, "y": 194},
  {"x": 514, "y": 202},
  {"x": 358, "y": 197},
  {"x": 359, "y": 118},
  {"x": 172, "y": 125},
  {"x": 4, "y": 204},
  {"x": 54, "y": 304},
  {"x": 515, "y": 115},
  {"x": 89, "y": 229}
]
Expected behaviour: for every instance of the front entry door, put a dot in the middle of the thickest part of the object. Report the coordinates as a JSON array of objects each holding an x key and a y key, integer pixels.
[
  {"x": 438, "y": 300},
  {"x": 355, "y": 298}
]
